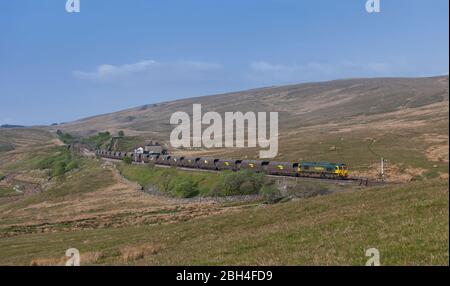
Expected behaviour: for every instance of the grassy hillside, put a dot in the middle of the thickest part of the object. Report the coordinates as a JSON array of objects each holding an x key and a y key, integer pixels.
[
  {"x": 167, "y": 180},
  {"x": 52, "y": 199},
  {"x": 18, "y": 138},
  {"x": 300, "y": 105},
  {"x": 129, "y": 143},
  {"x": 92, "y": 195},
  {"x": 24, "y": 142},
  {"x": 408, "y": 224},
  {"x": 354, "y": 121}
]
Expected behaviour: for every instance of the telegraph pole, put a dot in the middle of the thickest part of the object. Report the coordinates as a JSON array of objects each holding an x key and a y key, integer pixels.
[{"x": 382, "y": 166}]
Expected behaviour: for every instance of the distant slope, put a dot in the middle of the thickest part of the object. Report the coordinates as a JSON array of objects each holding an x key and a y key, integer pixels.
[
  {"x": 17, "y": 138},
  {"x": 300, "y": 105},
  {"x": 356, "y": 121},
  {"x": 18, "y": 143},
  {"x": 11, "y": 126}
]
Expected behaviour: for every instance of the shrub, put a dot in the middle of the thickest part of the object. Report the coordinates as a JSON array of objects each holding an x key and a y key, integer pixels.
[
  {"x": 166, "y": 179},
  {"x": 127, "y": 160},
  {"x": 58, "y": 163},
  {"x": 48, "y": 162},
  {"x": 231, "y": 183},
  {"x": 270, "y": 193},
  {"x": 98, "y": 141},
  {"x": 71, "y": 166},
  {"x": 185, "y": 188},
  {"x": 121, "y": 133},
  {"x": 253, "y": 183},
  {"x": 241, "y": 183},
  {"x": 59, "y": 169},
  {"x": 65, "y": 137}
]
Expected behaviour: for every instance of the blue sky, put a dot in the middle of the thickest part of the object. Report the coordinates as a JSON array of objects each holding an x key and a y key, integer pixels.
[{"x": 115, "y": 54}]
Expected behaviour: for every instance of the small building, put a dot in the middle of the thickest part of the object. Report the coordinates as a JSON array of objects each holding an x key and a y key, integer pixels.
[
  {"x": 139, "y": 150},
  {"x": 154, "y": 148}
]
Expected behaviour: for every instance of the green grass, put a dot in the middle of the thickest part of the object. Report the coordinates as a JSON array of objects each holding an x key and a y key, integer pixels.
[
  {"x": 65, "y": 188},
  {"x": 129, "y": 143},
  {"x": 31, "y": 160},
  {"x": 408, "y": 224},
  {"x": 6, "y": 147},
  {"x": 182, "y": 183},
  {"x": 7, "y": 192},
  {"x": 99, "y": 141},
  {"x": 59, "y": 162},
  {"x": 165, "y": 179},
  {"x": 76, "y": 185},
  {"x": 66, "y": 137}
]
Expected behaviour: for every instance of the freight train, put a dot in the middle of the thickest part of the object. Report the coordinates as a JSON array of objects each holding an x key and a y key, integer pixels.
[{"x": 303, "y": 169}]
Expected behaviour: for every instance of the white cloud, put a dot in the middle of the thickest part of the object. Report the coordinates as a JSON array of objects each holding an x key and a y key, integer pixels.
[
  {"x": 196, "y": 77},
  {"x": 263, "y": 71},
  {"x": 107, "y": 72}
]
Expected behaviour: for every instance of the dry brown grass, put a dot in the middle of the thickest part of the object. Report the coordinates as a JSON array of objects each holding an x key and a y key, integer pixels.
[
  {"x": 118, "y": 204},
  {"x": 300, "y": 105},
  {"x": 438, "y": 153},
  {"x": 133, "y": 253},
  {"x": 88, "y": 258},
  {"x": 407, "y": 223},
  {"x": 393, "y": 173},
  {"x": 52, "y": 261}
]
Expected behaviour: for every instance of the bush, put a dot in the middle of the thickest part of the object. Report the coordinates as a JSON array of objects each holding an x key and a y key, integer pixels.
[
  {"x": 58, "y": 163},
  {"x": 270, "y": 193},
  {"x": 49, "y": 162},
  {"x": 241, "y": 183},
  {"x": 231, "y": 183},
  {"x": 121, "y": 133},
  {"x": 98, "y": 141},
  {"x": 58, "y": 169},
  {"x": 127, "y": 160},
  {"x": 253, "y": 184},
  {"x": 71, "y": 166},
  {"x": 185, "y": 188},
  {"x": 166, "y": 178},
  {"x": 189, "y": 184},
  {"x": 65, "y": 137}
]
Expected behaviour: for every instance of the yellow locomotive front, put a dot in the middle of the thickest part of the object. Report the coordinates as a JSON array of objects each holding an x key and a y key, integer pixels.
[{"x": 341, "y": 170}]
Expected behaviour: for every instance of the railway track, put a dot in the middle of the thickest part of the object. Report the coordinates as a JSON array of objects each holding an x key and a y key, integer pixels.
[{"x": 351, "y": 181}]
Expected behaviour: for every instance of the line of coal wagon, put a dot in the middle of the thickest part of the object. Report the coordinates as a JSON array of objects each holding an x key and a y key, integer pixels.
[{"x": 302, "y": 169}]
